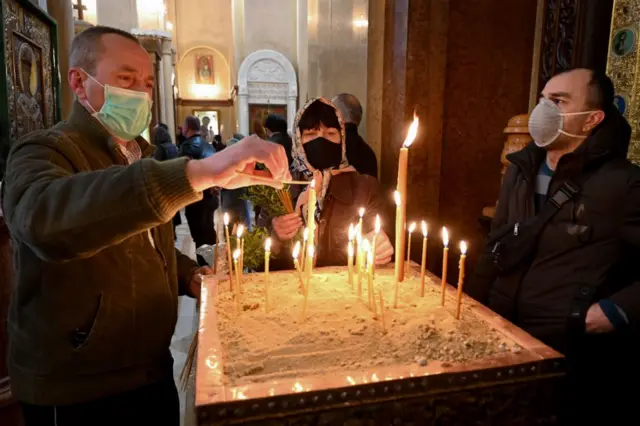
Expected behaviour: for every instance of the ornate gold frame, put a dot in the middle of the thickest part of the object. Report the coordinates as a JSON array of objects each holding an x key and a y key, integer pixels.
[{"x": 623, "y": 70}]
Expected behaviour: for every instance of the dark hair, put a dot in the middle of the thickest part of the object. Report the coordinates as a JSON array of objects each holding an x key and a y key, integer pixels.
[
  {"x": 87, "y": 46},
  {"x": 217, "y": 138},
  {"x": 601, "y": 91},
  {"x": 275, "y": 123},
  {"x": 164, "y": 126},
  {"x": 192, "y": 123},
  {"x": 318, "y": 113},
  {"x": 350, "y": 107},
  {"x": 161, "y": 135}
]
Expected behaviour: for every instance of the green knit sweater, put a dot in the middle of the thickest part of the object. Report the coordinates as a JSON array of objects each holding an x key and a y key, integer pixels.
[{"x": 95, "y": 303}]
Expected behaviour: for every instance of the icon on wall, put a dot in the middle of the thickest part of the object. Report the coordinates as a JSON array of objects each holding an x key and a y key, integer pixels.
[
  {"x": 623, "y": 42},
  {"x": 620, "y": 102},
  {"x": 204, "y": 69}
]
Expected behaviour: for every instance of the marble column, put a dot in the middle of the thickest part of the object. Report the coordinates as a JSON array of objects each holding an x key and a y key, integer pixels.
[
  {"x": 167, "y": 80},
  {"x": 62, "y": 12},
  {"x": 292, "y": 110},
  {"x": 237, "y": 22},
  {"x": 243, "y": 113}
]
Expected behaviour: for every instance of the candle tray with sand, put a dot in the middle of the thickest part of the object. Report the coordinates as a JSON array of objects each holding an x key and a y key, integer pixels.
[{"x": 339, "y": 366}]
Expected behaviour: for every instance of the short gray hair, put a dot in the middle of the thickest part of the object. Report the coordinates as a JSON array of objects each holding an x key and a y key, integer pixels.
[
  {"x": 349, "y": 107},
  {"x": 87, "y": 47}
]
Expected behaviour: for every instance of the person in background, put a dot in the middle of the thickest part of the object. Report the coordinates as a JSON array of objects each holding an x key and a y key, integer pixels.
[
  {"x": 232, "y": 200},
  {"x": 199, "y": 214},
  {"x": 165, "y": 150},
  {"x": 578, "y": 289},
  {"x": 217, "y": 143},
  {"x": 319, "y": 153},
  {"x": 97, "y": 275},
  {"x": 276, "y": 128},
  {"x": 359, "y": 153}
]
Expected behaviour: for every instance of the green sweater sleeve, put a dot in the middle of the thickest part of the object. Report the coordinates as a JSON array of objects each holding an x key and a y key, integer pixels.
[{"x": 64, "y": 213}]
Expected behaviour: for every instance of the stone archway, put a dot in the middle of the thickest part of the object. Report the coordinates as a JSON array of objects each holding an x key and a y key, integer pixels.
[{"x": 266, "y": 77}]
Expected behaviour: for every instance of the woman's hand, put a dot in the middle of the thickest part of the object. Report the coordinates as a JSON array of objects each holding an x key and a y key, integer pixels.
[
  {"x": 286, "y": 227},
  {"x": 384, "y": 249}
]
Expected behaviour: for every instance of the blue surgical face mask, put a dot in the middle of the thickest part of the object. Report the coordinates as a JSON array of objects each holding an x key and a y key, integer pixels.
[{"x": 125, "y": 113}]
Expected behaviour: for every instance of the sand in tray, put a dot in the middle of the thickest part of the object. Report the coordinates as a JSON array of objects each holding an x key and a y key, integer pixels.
[{"x": 339, "y": 331}]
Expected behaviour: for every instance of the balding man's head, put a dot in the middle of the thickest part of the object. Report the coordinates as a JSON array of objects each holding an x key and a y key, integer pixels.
[{"x": 349, "y": 107}]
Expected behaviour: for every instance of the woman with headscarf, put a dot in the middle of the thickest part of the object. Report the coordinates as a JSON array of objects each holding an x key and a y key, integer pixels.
[{"x": 319, "y": 153}]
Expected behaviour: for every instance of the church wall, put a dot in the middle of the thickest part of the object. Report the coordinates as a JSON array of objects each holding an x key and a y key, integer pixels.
[
  {"x": 120, "y": 14},
  {"x": 338, "y": 50},
  {"x": 270, "y": 24}
]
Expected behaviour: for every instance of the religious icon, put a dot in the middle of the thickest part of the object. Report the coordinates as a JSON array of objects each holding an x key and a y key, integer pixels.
[
  {"x": 28, "y": 77},
  {"x": 623, "y": 42},
  {"x": 620, "y": 102},
  {"x": 204, "y": 69}
]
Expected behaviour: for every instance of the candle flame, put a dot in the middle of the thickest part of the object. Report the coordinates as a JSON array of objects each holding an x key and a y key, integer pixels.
[
  {"x": 366, "y": 246},
  {"x": 352, "y": 232},
  {"x": 226, "y": 219},
  {"x": 397, "y": 197},
  {"x": 297, "y": 387},
  {"x": 296, "y": 250},
  {"x": 313, "y": 184},
  {"x": 463, "y": 247},
  {"x": 350, "y": 250},
  {"x": 412, "y": 227},
  {"x": 358, "y": 237},
  {"x": 236, "y": 254},
  {"x": 311, "y": 251},
  {"x": 374, "y": 378},
  {"x": 240, "y": 231},
  {"x": 412, "y": 133},
  {"x": 267, "y": 244},
  {"x": 305, "y": 234},
  {"x": 378, "y": 224},
  {"x": 350, "y": 380},
  {"x": 424, "y": 229},
  {"x": 445, "y": 236},
  {"x": 361, "y": 212}
]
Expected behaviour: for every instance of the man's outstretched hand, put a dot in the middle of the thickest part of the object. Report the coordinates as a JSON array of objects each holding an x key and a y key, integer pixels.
[{"x": 234, "y": 167}]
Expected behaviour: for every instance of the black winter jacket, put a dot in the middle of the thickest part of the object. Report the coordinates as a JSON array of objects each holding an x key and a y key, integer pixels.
[
  {"x": 592, "y": 242},
  {"x": 196, "y": 148}
]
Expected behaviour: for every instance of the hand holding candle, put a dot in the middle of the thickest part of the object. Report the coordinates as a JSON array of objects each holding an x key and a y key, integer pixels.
[
  {"x": 423, "y": 266},
  {"x": 445, "y": 255},
  {"x": 463, "y": 256},
  {"x": 267, "y": 255},
  {"x": 412, "y": 228}
]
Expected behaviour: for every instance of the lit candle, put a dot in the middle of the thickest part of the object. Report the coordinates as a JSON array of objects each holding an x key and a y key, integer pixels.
[
  {"x": 412, "y": 228},
  {"x": 267, "y": 255},
  {"x": 309, "y": 267},
  {"x": 401, "y": 213},
  {"x": 359, "y": 261},
  {"x": 399, "y": 259},
  {"x": 361, "y": 214},
  {"x": 236, "y": 256},
  {"x": 310, "y": 255},
  {"x": 296, "y": 253},
  {"x": 445, "y": 256},
  {"x": 216, "y": 251},
  {"x": 377, "y": 229},
  {"x": 311, "y": 213},
  {"x": 463, "y": 256},
  {"x": 366, "y": 251},
  {"x": 239, "y": 244},
  {"x": 370, "y": 283},
  {"x": 423, "y": 266},
  {"x": 305, "y": 238},
  {"x": 350, "y": 252},
  {"x": 384, "y": 324},
  {"x": 228, "y": 241}
]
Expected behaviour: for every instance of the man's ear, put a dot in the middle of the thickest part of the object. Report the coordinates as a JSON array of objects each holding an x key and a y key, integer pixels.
[
  {"x": 76, "y": 82},
  {"x": 592, "y": 121}
]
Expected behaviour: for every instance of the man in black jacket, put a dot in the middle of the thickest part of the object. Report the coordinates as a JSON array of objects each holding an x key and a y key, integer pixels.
[
  {"x": 199, "y": 214},
  {"x": 359, "y": 153},
  {"x": 276, "y": 127},
  {"x": 579, "y": 290}
]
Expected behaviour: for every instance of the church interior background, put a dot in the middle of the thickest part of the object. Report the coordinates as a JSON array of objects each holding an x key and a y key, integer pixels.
[{"x": 470, "y": 79}]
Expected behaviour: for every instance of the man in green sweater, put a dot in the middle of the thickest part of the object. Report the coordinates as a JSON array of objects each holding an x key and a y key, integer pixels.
[{"x": 97, "y": 274}]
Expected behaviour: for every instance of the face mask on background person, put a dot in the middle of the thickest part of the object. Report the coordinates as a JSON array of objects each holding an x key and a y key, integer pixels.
[
  {"x": 125, "y": 113},
  {"x": 323, "y": 154},
  {"x": 546, "y": 123}
]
